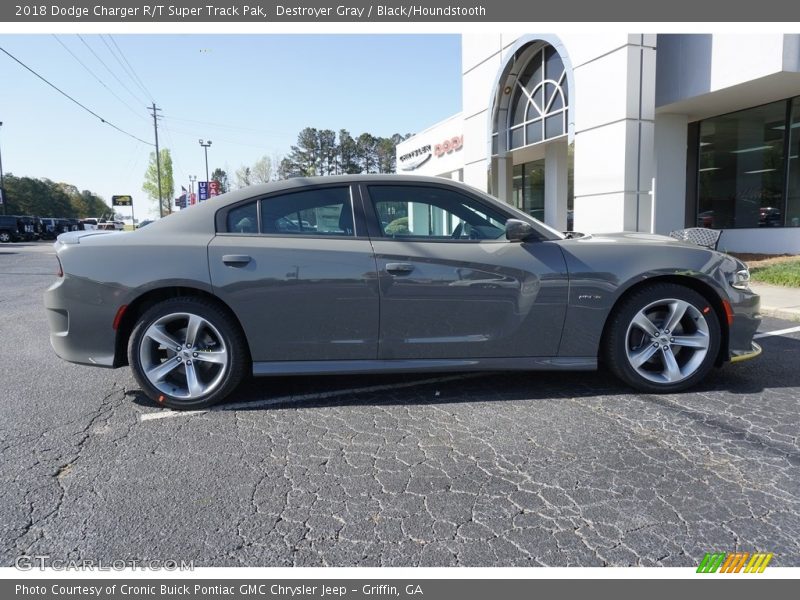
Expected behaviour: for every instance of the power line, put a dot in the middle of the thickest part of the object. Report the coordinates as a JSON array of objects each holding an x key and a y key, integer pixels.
[
  {"x": 129, "y": 69},
  {"x": 219, "y": 139},
  {"x": 66, "y": 95},
  {"x": 93, "y": 74},
  {"x": 174, "y": 157},
  {"x": 114, "y": 75},
  {"x": 232, "y": 127}
]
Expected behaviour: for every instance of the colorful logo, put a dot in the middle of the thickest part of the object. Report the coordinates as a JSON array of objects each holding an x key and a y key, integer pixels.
[{"x": 734, "y": 562}]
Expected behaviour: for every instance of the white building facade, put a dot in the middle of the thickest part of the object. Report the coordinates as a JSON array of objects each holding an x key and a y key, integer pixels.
[{"x": 637, "y": 132}]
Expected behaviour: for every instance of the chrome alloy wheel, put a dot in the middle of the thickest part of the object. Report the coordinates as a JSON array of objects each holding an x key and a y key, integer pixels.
[
  {"x": 667, "y": 341},
  {"x": 183, "y": 355}
]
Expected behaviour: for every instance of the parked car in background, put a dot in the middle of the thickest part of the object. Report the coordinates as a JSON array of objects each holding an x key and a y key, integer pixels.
[
  {"x": 769, "y": 216},
  {"x": 28, "y": 228},
  {"x": 49, "y": 228},
  {"x": 9, "y": 229},
  {"x": 144, "y": 223},
  {"x": 109, "y": 225},
  {"x": 53, "y": 227},
  {"x": 87, "y": 224},
  {"x": 194, "y": 302},
  {"x": 62, "y": 226}
]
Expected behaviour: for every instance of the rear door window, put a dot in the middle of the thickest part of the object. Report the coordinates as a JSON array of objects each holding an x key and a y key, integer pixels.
[{"x": 323, "y": 211}]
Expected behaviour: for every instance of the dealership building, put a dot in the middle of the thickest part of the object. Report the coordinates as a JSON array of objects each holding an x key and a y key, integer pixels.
[{"x": 637, "y": 132}]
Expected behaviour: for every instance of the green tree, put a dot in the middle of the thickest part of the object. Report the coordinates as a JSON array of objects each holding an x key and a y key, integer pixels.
[
  {"x": 385, "y": 155},
  {"x": 45, "y": 198},
  {"x": 221, "y": 176},
  {"x": 303, "y": 160},
  {"x": 367, "y": 153},
  {"x": 287, "y": 169},
  {"x": 327, "y": 152},
  {"x": 348, "y": 154},
  {"x": 150, "y": 185}
]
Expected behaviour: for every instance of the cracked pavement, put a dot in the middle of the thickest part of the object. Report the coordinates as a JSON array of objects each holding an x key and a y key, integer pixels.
[{"x": 487, "y": 470}]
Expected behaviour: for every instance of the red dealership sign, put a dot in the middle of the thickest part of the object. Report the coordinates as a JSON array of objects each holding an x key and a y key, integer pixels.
[{"x": 449, "y": 145}]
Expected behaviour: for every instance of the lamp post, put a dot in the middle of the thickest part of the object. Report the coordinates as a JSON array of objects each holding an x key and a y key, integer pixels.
[
  {"x": 192, "y": 179},
  {"x": 205, "y": 145},
  {"x": 2, "y": 183}
]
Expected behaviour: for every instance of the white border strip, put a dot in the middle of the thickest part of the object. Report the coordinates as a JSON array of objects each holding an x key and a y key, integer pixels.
[
  {"x": 777, "y": 332},
  {"x": 414, "y": 574}
]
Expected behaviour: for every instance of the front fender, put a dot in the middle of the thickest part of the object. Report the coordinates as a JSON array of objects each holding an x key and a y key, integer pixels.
[{"x": 600, "y": 274}]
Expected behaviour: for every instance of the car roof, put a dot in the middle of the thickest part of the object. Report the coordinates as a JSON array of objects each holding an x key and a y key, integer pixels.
[{"x": 200, "y": 217}]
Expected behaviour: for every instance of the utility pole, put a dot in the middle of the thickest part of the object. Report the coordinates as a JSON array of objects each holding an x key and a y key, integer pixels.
[
  {"x": 155, "y": 110},
  {"x": 205, "y": 146}
]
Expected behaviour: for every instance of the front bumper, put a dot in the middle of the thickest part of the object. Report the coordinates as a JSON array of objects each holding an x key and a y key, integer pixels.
[
  {"x": 746, "y": 307},
  {"x": 741, "y": 356}
]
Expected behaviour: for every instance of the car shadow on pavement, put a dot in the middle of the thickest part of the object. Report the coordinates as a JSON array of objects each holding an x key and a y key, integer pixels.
[{"x": 774, "y": 369}]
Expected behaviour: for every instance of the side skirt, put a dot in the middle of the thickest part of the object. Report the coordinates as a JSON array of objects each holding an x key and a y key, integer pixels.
[{"x": 347, "y": 367}]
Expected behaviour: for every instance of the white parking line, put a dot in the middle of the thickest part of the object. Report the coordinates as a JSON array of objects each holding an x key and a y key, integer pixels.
[
  {"x": 778, "y": 332},
  {"x": 171, "y": 414}
]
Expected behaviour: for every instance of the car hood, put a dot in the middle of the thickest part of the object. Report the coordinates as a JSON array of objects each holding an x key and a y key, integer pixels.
[{"x": 629, "y": 237}]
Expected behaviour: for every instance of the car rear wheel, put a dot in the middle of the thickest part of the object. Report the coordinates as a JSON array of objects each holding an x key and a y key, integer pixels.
[
  {"x": 663, "y": 338},
  {"x": 187, "y": 353}
]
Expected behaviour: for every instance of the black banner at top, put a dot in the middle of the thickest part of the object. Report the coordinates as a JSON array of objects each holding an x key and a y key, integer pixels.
[{"x": 211, "y": 11}]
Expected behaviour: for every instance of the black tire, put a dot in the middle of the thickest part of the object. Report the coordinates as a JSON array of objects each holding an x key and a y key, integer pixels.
[
  {"x": 626, "y": 343},
  {"x": 5, "y": 237},
  {"x": 218, "y": 338}
]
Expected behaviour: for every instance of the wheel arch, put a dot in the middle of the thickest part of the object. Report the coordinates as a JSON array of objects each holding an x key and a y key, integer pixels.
[
  {"x": 143, "y": 302},
  {"x": 700, "y": 286}
]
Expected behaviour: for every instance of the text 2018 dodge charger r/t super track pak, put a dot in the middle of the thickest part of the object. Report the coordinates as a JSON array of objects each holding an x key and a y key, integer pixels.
[{"x": 366, "y": 274}]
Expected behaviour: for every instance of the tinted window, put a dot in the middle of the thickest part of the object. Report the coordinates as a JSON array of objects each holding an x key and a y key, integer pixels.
[
  {"x": 434, "y": 213},
  {"x": 741, "y": 168},
  {"x": 243, "y": 219},
  {"x": 325, "y": 211}
]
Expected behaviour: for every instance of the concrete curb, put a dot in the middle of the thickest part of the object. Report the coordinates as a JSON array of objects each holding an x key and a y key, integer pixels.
[
  {"x": 780, "y": 313},
  {"x": 778, "y": 301}
]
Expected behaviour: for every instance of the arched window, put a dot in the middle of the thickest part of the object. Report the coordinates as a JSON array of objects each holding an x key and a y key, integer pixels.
[{"x": 539, "y": 100}]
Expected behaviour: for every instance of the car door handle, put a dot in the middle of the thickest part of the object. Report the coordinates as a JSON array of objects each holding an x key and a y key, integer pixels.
[
  {"x": 236, "y": 260},
  {"x": 399, "y": 268}
]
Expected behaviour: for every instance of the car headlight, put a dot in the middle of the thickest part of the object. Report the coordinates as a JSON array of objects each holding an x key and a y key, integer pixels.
[{"x": 741, "y": 279}]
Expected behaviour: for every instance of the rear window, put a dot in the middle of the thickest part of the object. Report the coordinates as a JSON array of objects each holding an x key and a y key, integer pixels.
[{"x": 243, "y": 219}]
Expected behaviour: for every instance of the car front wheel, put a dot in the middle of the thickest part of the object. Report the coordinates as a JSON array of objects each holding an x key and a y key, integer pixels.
[
  {"x": 663, "y": 338},
  {"x": 187, "y": 353}
]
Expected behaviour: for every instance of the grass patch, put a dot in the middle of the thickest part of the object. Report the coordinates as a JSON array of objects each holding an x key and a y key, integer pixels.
[{"x": 786, "y": 273}]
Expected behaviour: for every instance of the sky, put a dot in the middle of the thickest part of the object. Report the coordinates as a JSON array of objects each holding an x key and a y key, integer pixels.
[{"x": 249, "y": 94}]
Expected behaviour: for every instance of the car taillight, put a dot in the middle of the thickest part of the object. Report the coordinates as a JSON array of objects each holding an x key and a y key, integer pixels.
[{"x": 60, "y": 272}]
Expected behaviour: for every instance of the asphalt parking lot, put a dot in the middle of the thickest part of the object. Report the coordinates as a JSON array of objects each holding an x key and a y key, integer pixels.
[{"x": 476, "y": 470}]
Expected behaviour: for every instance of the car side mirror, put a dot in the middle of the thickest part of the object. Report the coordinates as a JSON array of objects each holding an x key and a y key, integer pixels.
[{"x": 519, "y": 231}]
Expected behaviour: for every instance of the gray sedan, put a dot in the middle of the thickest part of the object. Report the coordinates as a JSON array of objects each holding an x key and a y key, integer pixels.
[{"x": 378, "y": 274}]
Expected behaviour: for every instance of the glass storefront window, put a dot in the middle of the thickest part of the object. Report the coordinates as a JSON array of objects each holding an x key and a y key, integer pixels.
[
  {"x": 793, "y": 168},
  {"x": 529, "y": 188},
  {"x": 742, "y": 169},
  {"x": 538, "y": 109}
]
